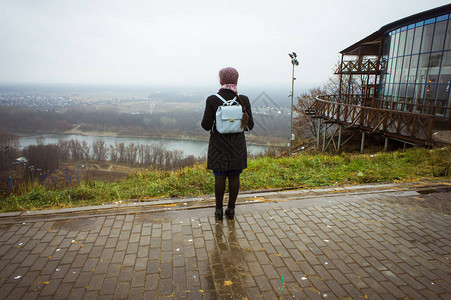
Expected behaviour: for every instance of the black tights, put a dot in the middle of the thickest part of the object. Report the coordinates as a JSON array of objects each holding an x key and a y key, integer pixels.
[{"x": 234, "y": 187}]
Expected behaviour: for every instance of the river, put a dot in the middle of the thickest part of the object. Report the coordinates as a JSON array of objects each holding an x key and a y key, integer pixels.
[{"x": 189, "y": 147}]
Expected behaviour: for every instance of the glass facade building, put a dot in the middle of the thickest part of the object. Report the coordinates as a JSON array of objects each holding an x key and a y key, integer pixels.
[
  {"x": 416, "y": 60},
  {"x": 396, "y": 81}
]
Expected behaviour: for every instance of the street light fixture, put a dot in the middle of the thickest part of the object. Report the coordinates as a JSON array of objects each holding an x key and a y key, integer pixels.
[{"x": 294, "y": 62}]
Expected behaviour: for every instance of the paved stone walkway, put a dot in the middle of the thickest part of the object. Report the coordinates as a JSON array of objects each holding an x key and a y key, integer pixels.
[{"x": 389, "y": 241}]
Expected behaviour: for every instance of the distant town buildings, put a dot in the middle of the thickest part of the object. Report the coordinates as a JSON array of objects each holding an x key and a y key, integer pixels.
[
  {"x": 24, "y": 99},
  {"x": 42, "y": 101}
]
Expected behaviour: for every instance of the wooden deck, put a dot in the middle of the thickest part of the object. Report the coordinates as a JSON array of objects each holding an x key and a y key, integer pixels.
[{"x": 406, "y": 126}]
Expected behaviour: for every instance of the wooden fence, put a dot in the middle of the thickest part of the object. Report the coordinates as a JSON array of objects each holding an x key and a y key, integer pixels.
[{"x": 408, "y": 126}]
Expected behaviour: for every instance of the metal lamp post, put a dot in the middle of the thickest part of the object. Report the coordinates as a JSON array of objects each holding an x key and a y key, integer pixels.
[{"x": 294, "y": 62}]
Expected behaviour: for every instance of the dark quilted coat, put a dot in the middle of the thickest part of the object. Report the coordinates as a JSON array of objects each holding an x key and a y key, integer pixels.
[{"x": 225, "y": 151}]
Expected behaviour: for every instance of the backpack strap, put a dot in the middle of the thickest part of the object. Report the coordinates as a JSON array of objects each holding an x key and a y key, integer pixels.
[{"x": 230, "y": 102}]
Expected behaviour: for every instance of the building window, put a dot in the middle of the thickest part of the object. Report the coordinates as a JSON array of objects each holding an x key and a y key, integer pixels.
[
  {"x": 409, "y": 41},
  {"x": 439, "y": 36},
  {"x": 402, "y": 43},
  {"x": 418, "y": 66},
  {"x": 428, "y": 34},
  {"x": 417, "y": 40},
  {"x": 448, "y": 37}
]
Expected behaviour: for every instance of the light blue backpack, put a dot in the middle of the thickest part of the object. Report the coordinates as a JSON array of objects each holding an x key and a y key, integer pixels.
[{"x": 228, "y": 116}]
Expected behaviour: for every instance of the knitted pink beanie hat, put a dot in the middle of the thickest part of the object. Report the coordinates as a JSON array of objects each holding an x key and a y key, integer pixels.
[{"x": 228, "y": 75}]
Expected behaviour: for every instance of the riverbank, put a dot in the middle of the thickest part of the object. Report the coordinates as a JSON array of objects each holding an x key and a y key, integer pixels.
[
  {"x": 76, "y": 130},
  {"x": 189, "y": 146},
  {"x": 251, "y": 139}
]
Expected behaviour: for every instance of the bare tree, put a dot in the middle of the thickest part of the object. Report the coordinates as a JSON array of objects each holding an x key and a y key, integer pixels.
[
  {"x": 158, "y": 155},
  {"x": 303, "y": 123},
  {"x": 177, "y": 157},
  {"x": 64, "y": 150},
  {"x": 147, "y": 155},
  {"x": 304, "y": 126},
  {"x": 76, "y": 150},
  {"x": 113, "y": 154},
  {"x": 85, "y": 149},
  {"x": 131, "y": 153},
  {"x": 168, "y": 159},
  {"x": 9, "y": 149},
  {"x": 100, "y": 151},
  {"x": 141, "y": 151},
  {"x": 120, "y": 150}
]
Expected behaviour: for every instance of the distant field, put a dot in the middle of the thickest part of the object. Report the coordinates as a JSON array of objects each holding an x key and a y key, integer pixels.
[
  {"x": 105, "y": 95},
  {"x": 154, "y": 106},
  {"x": 149, "y": 106}
]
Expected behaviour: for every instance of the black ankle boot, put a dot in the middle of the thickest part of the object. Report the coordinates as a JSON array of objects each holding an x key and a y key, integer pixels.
[
  {"x": 230, "y": 213},
  {"x": 219, "y": 214}
]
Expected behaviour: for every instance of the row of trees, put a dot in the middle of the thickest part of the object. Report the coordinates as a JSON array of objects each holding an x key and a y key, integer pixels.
[
  {"x": 41, "y": 162},
  {"x": 9, "y": 149},
  {"x": 156, "y": 155},
  {"x": 48, "y": 157}
]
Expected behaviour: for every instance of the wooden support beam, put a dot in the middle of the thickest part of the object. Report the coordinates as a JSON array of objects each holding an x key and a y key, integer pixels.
[
  {"x": 362, "y": 143},
  {"x": 324, "y": 137},
  {"x": 318, "y": 133},
  {"x": 331, "y": 139}
]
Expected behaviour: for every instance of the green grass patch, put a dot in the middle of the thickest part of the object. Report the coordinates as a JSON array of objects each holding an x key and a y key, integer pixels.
[{"x": 309, "y": 170}]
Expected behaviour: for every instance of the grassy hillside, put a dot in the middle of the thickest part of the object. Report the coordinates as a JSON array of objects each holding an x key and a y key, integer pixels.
[{"x": 308, "y": 170}]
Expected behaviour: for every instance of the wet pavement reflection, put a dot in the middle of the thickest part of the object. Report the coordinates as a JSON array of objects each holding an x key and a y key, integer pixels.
[{"x": 227, "y": 262}]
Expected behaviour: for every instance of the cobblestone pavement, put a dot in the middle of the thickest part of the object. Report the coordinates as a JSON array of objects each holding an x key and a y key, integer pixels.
[{"x": 387, "y": 241}]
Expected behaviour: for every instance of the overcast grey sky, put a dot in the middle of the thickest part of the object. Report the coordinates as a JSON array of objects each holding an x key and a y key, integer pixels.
[{"x": 184, "y": 42}]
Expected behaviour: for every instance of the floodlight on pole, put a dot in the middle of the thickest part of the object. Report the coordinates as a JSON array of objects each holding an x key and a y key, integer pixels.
[{"x": 294, "y": 62}]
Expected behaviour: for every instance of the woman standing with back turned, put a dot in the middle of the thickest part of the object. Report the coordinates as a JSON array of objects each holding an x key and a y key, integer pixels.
[{"x": 227, "y": 153}]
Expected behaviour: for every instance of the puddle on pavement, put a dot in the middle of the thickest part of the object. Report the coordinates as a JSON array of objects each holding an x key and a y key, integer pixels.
[
  {"x": 80, "y": 224},
  {"x": 427, "y": 192},
  {"x": 434, "y": 190},
  {"x": 227, "y": 275},
  {"x": 170, "y": 216}
]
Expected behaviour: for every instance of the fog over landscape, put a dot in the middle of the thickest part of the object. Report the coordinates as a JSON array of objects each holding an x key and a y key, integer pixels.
[{"x": 184, "y": 43}]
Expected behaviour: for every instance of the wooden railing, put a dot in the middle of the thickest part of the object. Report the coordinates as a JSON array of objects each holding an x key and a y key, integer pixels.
[
  {"x": 408, "y": 126},
  {"x": 407, "y": 105},
  {"x": 346, "y": 99},
  {"x": 364, "y": 66}
]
